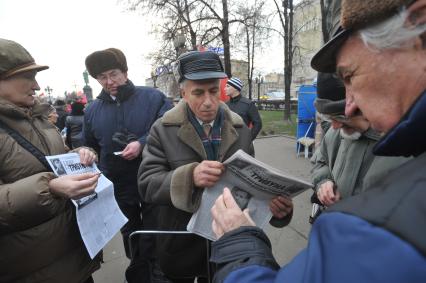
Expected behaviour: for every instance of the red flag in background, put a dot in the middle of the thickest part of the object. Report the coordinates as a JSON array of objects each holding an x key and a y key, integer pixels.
[{"x": 223, "y": 95}]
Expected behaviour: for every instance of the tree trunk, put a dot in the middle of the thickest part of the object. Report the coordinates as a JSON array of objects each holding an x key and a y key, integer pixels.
[
  {"x": 287, "y": 57},
  {"x": 192, "y": 33},
  {"x": 225, "y": 39},
  {"x": 252, "y": 50},
  {"x": 249, "y": 65},
  {"x": 325, "y": 34},
  {"x": 289, "y": 71}
]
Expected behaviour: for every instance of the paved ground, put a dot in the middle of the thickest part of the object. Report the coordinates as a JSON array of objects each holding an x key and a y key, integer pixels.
[{"x": 279, "y": 152}]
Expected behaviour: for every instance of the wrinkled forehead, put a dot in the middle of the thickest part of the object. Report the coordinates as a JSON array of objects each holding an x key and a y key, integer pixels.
[{"x": 349, "y": 53}]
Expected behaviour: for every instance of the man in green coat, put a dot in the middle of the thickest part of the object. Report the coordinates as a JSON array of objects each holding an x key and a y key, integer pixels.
[{"x": 344, "y": 164}]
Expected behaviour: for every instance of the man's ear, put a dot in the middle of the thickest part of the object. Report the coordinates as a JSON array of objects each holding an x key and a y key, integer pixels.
[{"x": 182, "y": 93}]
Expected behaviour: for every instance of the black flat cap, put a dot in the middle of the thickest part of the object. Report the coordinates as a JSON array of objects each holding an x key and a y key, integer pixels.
[
  {"x": 197, "y": 65},
  {"x": 325, "y": 59},
  {"x": 331, "y": 95}
]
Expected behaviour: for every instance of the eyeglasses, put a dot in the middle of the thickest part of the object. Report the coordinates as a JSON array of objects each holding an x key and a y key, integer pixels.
[{"x": 113, "y": 76}]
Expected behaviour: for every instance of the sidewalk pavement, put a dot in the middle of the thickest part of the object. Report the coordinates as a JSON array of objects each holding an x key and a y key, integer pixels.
[{"x": 279, "y": 152}]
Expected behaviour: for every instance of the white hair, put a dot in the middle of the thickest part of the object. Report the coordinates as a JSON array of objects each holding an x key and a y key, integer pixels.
[
  {"x": 392, "y": 32},
  {"x": 182, "y": 84}
]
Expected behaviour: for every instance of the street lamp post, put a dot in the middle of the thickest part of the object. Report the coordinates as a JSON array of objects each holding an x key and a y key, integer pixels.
[
  {"x": 259, "y": 81},
  {"x": 49, "y": 90}
]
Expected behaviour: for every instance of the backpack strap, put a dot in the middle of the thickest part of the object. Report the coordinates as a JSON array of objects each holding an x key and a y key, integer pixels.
[
  {"x": 397, "y": 203},
  {"x": 26, "y": 145}
]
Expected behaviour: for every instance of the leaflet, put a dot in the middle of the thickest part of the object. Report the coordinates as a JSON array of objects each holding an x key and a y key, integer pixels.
[{"x": 98, "y": 216}]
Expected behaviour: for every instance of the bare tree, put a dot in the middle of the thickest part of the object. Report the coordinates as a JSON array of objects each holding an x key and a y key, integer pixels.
[
  {"x": 325, "y": 34},
  {"x": 253, "y": 33},
  {"x": 330, "y": 16},
  {"x": 286, "y": 18},
  {"x": 199, "y": 19},
  {"x": 178, "y": 17}
]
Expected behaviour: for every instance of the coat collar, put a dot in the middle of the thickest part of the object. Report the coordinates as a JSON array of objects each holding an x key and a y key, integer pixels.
[
  {"x": 124, "y": 93},
  {"x": 13, "y": 111},
  {"x": 235, "y": 99},
  {"x": 408, "y": 137},
  {"x": 188, "y": 135}
]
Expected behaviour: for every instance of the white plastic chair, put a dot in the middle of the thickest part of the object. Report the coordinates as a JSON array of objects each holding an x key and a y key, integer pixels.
[{"x": 306, "y": 141}]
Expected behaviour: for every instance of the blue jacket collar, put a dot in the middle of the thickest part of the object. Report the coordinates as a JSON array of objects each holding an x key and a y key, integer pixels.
[
  {"x": 124, "y": 92},
  {"x": 408, "y": 137},
  {"x": 236, "y": 98}
]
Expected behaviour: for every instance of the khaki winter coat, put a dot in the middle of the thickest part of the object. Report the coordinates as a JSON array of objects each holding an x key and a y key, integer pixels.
[
  {"x": 350, "y": 164},
  {"x": 39, "y": 238},
  {"x": 165, "y": 178}
]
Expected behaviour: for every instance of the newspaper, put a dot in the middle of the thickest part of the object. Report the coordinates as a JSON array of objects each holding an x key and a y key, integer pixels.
[
  {"x": 253, "y": 184},
  {"x": 98, "y": 216}
]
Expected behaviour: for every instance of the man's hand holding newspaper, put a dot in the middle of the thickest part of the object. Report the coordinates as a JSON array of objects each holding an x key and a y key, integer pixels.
[
  {"x": 226, "y": 205},
  {"x": 207, "y": 173},
  {"x": 252, "y": 184}
]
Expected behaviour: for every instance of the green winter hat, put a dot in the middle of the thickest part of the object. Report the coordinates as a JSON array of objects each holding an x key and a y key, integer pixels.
[{"x": 15, "y": 59}]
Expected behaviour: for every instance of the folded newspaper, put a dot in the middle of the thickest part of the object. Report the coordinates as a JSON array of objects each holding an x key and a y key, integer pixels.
[
  {"x": 253, "y": 184},
  {"x": 98, "y": 216}
]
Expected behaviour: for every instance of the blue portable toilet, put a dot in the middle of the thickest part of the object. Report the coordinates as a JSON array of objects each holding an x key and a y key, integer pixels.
[{"x": 306, "y": 112}]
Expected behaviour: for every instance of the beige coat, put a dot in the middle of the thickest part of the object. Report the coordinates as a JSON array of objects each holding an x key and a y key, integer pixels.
[{"x": 39, "y": 238}]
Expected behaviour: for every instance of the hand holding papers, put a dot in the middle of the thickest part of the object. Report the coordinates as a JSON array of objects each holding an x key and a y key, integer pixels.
[
  {"x": 253, "y": 184},
  {"x": 98, "y": 216},
  {"x": 227, "y": 214}
]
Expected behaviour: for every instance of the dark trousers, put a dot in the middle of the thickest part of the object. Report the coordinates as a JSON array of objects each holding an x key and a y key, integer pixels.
[
  {"x": 142, "y": 254},
  {"x": 130, "y": 204}
]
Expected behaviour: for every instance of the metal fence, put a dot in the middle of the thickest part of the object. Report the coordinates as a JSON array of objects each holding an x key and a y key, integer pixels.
[{"x": 275, "y": 105}]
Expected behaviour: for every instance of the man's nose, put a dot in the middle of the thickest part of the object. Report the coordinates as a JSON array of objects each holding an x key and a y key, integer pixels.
[
  {"x": 109, "y": 81},
  {"x": 350, "y": 108},
  {"x": 36, "y": 86},
  {"x": 336, "y": 125},
  {"x": 207, "y": 101}
]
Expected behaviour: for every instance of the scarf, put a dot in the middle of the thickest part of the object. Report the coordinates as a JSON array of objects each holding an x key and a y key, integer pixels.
[{"x": 211, "y": 144}]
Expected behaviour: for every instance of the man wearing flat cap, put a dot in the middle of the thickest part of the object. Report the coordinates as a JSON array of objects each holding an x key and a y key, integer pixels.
[
  {"x": 379, "y": 52},
  {"x": 344, "y": 164},
  {"x": 184, "y": 155},
  {"x": 116, "y": 124},
  {"x": 243, "y": 106},
  {"x": 39, "y": 236}
]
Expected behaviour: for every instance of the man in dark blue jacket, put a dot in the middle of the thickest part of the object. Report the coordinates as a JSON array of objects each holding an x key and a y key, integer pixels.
[
  {"x": 377, "y": 236},
  {"x": 116, "y": 125}
]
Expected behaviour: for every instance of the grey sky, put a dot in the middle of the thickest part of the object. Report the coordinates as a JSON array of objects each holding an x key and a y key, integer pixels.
[{"x": 61, "y": 33}]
